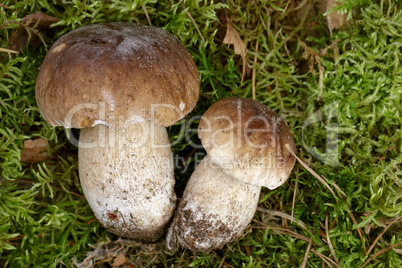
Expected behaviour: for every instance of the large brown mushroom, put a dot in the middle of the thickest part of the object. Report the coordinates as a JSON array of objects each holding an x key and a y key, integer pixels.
[
  {"x": 245, "y": 143},
  {"x": 122, "y": 84}
]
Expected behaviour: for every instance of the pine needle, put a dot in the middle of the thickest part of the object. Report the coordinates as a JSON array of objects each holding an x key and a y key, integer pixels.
[
  {"x": 359, "y": 231},
  {"x": 381, "y": 252},
  {"x": 224, "y": 257},
  {"x": 283, "y": 215},
  {"x": 310, "y": 170},
  {"x": 295, "y": 191},
  {"x": 381, "y": 234},
  {"x": 331, "y": 247},
  {"x": 326, "y": 259},
  {"x": 146, "y": 14},
  {"x": 304, "y": 263},
  {"x": 283, "y": 231},
  {"x": 254, "y": 69},
  {"x": 192, "y": 19}
]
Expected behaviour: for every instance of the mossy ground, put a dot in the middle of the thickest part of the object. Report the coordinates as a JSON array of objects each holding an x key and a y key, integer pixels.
[{"x": 339, "y": 94}]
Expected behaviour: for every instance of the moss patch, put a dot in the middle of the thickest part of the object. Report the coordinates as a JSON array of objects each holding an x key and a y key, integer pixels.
[{"x": 340, "y": 95}]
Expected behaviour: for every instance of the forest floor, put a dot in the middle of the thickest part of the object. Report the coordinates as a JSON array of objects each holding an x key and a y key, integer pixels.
[{"x": 338, "y": 89}]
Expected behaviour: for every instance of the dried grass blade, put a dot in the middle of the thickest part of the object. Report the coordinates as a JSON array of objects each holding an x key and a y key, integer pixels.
[
  {"x": 283, "y": 215},
  {"x": 381, "y": 252},
  {"x": 294, "y": 192},
  {"x": 331, "y": 247},
  {"x": 8, "y": 50},
  {"x": 144, "y": 8},
  {"x": 254, "y": 70}
]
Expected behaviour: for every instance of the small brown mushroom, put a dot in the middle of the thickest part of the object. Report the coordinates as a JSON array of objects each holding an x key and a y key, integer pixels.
[
  {"x": 122, "y": 84},
  {"x": 245, "y": 144},
  {"x": 248, "y": 140}
]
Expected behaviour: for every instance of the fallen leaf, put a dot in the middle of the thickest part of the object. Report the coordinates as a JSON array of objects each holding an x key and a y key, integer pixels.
[
  {"x": 232, "y": 37},
  {"x": 119, "y": 260},
  {"x": 43, "y": 19},
  {"x": 33, "y": 27},
  {"x": 335, "y": 18},
  {"x": 34, "y": 151}
]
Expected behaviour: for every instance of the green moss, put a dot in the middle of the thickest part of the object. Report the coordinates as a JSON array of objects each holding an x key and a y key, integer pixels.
[{"x": 354, "y": 140}]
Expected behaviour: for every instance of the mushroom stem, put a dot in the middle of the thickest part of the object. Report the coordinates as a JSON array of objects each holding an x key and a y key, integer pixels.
[
  {"x": 127, "y": 178},
  {"x": 215, "y": 209}
]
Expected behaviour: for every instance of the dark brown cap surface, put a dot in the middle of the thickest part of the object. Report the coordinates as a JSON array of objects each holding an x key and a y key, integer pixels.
[
  {"x": 123, "y": 71},
  {"x": 248, "y": 140}
]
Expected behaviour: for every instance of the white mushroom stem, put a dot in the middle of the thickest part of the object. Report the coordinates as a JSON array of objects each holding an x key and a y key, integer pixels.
[
  {"x": 127, "y": 178},
  {"x": 215, "y": 210}
]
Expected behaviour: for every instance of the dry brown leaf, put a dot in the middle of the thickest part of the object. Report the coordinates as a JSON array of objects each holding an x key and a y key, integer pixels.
[
  {"x": 232, "y": 37},
  {"x": 34, "y": 25},
  {"x": 43, "y": 20},
  {"x": 119, "y": 260},
  {"x": 335, "y": 19},
  {"x": 34, "y": 151}
]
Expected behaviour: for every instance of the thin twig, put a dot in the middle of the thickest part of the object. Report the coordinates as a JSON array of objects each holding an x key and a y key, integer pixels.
[
  {"x": 331, "y": 247},
  {"x": 192, "y": 19},
  {"x": 8, "y": 50},
  {"x": 283, "y": 215},
  {"x": 325, "y": 262},
  {"x": 381, "y": 252},
  {"x": 304, "y": 263},
  {"x": 294, "y": 192},
  {"x": 254, "y": 70},
  {"x": 146, "y": 14},
  {"x": 381, "y": 234},
  {"x": 310, "y": 170}
]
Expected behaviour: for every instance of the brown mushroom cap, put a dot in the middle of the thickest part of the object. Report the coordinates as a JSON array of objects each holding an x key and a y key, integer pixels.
[
  {"x": 116, "y": 70},
  {"x": 248, "y": 140}
]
